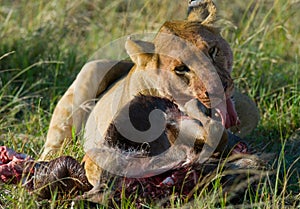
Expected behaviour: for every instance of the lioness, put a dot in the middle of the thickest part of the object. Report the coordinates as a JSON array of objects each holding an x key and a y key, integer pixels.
[{"x": 188, "y": 63}]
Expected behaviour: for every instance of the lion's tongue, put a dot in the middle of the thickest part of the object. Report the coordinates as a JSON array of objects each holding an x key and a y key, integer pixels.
[{"x": 228, "y": 114}]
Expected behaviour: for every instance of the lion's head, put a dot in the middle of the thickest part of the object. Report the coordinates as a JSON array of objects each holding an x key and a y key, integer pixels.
[{"x": 194, "y": 57}]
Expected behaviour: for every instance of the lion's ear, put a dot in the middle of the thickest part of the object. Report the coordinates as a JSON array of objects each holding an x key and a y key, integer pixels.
[
  {"x": 140, "y": 52},
  {"x": 204, "y": 11}
]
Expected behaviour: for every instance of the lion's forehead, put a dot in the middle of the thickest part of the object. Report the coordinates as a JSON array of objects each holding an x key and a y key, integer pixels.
[{"x": 202, "y": 37}]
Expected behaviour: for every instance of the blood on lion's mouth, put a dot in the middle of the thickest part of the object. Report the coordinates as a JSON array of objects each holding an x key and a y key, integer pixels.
[{"x": 228, "y": 114}]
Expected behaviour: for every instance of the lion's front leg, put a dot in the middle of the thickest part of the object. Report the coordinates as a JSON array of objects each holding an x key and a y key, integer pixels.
[
  {"x": 60, "y": 125},
  {"x": 69, "y": 114},
  {"x": 215, "y": 137},
  {"x": 74, "y": 107}
]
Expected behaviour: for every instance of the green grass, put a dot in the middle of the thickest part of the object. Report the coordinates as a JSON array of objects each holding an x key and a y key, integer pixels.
[{"x": 43, "y": 45}]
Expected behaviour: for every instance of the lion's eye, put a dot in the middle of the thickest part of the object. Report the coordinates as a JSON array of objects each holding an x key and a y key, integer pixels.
[
  {"x": 181, "y": 70},
  {"x": 213, "y": 52}
]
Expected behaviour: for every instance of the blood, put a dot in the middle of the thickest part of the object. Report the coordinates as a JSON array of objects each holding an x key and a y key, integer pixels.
[
  {"x": 228, "y": 114},
  {"x": 12, "y": 165},
  {"x": 231, "y": 116}
]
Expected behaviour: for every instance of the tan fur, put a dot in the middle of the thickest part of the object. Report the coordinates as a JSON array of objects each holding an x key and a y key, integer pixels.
[
  {"x": 204, "y": 38},
  {"x": 72, "y": 110},
  {"x": 92, "y": 170},
  {"x": 248, "y": 114},
  {"x": 153, "y": 73}
]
